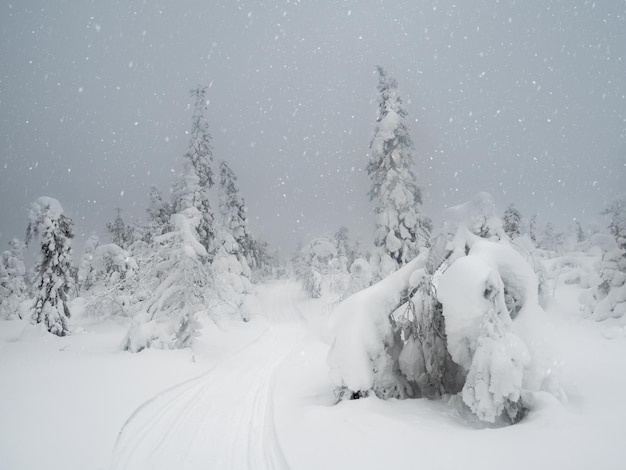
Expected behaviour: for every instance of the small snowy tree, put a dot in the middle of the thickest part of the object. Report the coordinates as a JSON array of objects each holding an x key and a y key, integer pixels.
[
  {"x": 233, "y": 211},
  {"x": 401, "y": 229},
  {"x": 12, "y": 281},
  {"x": 320, "y": 270},
  {"x": 120, "y": 232},
  {"x": 85, "y": 268},
  {"x": 512, "y": 222},
  {"x": 616, "y": 215},
  {"x": 192, "y": 189},
  {"x": 159, "y": 212},
  {"x": 174, "y": 290},
  {"x": 53, "y": 278},
  {"x": 230, "y": 268},
  {"x": 608, "y": 298}
]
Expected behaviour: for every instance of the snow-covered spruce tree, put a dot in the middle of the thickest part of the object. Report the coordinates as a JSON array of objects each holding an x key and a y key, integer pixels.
[
  {"x": 263, "y": 264},
  {"x": 85, "y": 268},
  {"x": 610, "y": 294},
  {"x": 401, "y": 229},
  {"x": 192, "y": 188},
  {"x": 174, "y": 290},
  {"x": 233, "y": 211},
  {"x": 53, "y": 277},
  {"x": 159, "y": 212},
  {"x": 122, "y": 234},
  {"x": 512, "y": 222},
  {"x": 13, "y": 289},
  {"x": 616, "y": 215},
  {"x": 231, "y": 272}
]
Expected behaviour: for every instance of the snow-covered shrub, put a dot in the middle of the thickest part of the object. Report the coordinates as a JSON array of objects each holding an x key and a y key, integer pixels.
[
  {"x": 320, "y": 270},
  {"x": 13, "y": 289},
  {"x": 53, "y": 277},
  {"x": 175, "y": 288},
  {"x": 479, "y": 215},
  {"x": 85, "y": 267},
  {"x": 112, "y": 278},
  {"x": 606, "y": 298}
]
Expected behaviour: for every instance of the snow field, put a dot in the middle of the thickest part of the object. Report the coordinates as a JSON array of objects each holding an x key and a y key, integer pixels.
[{"x": 259, "y": 396}]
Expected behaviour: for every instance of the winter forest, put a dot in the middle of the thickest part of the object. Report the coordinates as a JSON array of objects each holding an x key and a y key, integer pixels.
[{"x": 482, "y": 326}]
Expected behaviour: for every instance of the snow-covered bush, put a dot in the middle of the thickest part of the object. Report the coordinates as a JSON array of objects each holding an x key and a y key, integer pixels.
[
  {"x": 112, "y": 278},
  {"x": 53, "y": 277},
  {"x": 606, "y": 297},
  {"x": 13, "y": 289},
  {"x": 320, "y": 270},
  {"x": 85, "y": 267}
]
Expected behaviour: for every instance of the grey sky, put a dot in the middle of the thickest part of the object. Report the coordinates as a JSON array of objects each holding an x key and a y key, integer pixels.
[{"x": 525, "y": 100}]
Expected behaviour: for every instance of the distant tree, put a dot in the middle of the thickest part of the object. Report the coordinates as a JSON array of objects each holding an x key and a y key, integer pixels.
[
  {"x": 580, "y": 233},
  {"x": 512, "y": 221},
  {"x": 616, "y": 215},
  {"x": 53, "y": 278},
  {"x": 192, "y": 189},
  {"x": 319, "y": 268},
  {"x": 12, "y": 280},
  {"x": 401, "y": 229},
  {"x": 120, "y": 232},
  {"x": 159, "y": 212},
  {"x": 85, "y": 269},
  {"x": 532, "y": 229}
]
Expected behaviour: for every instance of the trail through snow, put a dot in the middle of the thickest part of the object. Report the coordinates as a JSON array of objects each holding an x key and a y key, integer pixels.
[{"x": 224, "y": 418}]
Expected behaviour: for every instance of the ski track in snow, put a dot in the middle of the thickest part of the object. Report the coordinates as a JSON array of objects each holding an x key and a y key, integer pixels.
[{"x": 223, "y": 419}]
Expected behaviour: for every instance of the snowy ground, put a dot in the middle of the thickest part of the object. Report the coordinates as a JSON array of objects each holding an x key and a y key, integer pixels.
[{"x": 257, "y": 396}]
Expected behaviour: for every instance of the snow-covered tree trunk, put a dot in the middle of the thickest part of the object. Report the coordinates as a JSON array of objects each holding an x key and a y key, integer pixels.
[{"x": 53, "y": 278}]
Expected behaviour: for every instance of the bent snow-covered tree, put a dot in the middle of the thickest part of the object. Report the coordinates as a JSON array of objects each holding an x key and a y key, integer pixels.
[
  {"x": 462, "y": 320},
  {"x": 401, "y": 229},
  {"x": 53, "y": 277},
  {"x": 196, "y": 180}
]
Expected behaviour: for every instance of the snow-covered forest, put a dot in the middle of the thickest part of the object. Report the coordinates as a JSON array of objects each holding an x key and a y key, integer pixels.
[{"x": 483, "y": 332}]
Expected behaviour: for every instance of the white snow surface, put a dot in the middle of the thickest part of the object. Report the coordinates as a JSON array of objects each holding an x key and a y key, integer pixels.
[{"x": 258, "y": 395}]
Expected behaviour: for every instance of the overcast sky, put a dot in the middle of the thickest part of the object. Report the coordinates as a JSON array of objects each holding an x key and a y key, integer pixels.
[{"x": 523, "y": 99}]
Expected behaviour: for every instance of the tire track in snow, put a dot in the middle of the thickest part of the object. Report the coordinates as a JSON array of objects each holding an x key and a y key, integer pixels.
[{"x": 223, "y": 419}]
